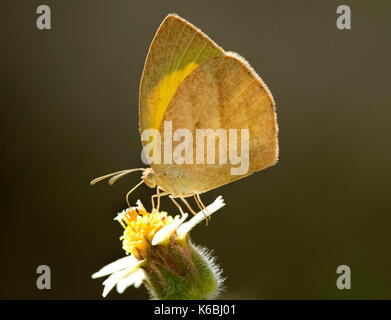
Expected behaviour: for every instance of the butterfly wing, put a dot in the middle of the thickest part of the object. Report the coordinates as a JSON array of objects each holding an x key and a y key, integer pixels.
[
  {"x": 222, "y": 93},
  {"x": 177, "y": 49}
]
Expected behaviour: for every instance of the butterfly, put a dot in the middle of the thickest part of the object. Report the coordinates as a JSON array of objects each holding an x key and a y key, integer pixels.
[{"x": 191, "y": 83}]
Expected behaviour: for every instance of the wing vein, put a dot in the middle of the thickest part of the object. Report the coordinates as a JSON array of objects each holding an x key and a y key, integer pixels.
[
  {"x": 260, "y": 145},
  {"x": 242, "y": 91},
  {"x": 173, "y": 51},
  {"x": 202, "y": 49},
  {"x": 185, "y": 51}
]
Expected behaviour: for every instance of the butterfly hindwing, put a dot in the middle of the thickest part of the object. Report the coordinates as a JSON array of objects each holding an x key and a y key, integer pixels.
[{"x": 222, "y": 93}]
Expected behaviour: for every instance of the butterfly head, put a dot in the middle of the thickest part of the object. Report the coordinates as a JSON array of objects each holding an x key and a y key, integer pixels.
[{"x": 149, "y": 177}]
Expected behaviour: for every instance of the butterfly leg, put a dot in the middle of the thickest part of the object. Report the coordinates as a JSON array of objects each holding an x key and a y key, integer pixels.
[
  {"x": 134, "y": 188},
  {"x": 158, "y": 195},
  {"x": 201, "y": 206},
  {"x": 158, "y": 198},
  {"x": 152, "y": 198},
  {"x": 187, "y": 205},
  {"x": 176, "y": 203}
]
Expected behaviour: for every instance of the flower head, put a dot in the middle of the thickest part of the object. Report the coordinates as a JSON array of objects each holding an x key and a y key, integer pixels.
[
  {"x": 140, "y": 227},
  {"x": 161, "y": 255}
]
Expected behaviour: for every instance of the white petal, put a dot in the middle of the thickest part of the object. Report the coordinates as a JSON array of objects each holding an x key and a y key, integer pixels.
[
  {"x": 111, "y": 281},
  {"x": 134, "y": 277},
  {"x": 120, "y": 215},
  {"x": 139, "y": 205},
  {"x": 165, "y": 233},
  {"x": 139, "y": 281},
  {"x": 115, "y": 266},
  {"x": 200, "y": 216}
]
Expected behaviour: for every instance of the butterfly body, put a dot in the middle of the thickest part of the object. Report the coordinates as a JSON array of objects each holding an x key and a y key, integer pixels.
[{"x": 170, "y": 182}]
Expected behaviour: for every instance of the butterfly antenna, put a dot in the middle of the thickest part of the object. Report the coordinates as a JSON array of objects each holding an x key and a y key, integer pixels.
[
  {"x": 134, "y": 188},
  {"x": 115, "y": 176}
]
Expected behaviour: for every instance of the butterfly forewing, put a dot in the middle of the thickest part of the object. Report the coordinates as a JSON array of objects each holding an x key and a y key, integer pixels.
[{"x": 177, "y": 49}]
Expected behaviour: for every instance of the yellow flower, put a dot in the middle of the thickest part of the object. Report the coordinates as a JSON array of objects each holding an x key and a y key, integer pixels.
[
  {"x": 161, "y": 255},
  {"x": 140, "y": 228}
]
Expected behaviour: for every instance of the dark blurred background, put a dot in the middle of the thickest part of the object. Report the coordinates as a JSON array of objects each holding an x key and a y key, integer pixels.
[{"x": 69, "y": 112}]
